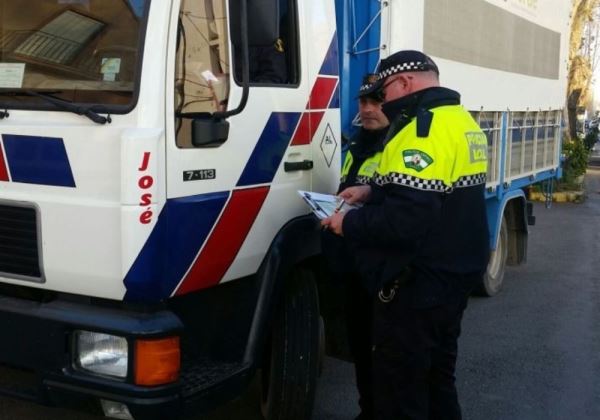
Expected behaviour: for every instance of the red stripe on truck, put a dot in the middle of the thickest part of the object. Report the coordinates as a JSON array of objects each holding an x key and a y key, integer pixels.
[
  {"x": 225, "y": 240},
  {"x": 3, "y": 170},
  {"x": 321, "y": 93},
  {"x": 307, "y": 128}
]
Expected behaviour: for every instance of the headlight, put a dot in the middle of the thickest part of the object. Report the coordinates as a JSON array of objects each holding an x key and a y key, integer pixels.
[{"x": 103, "y": 354}]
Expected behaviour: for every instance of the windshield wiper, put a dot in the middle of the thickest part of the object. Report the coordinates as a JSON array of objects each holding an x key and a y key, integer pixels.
[
  {"x": 63, "y": 105},
  {"x": 71, "y": 107}
]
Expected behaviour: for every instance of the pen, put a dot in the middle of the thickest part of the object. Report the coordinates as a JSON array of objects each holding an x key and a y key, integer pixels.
[{"x": 339, "y": 207}]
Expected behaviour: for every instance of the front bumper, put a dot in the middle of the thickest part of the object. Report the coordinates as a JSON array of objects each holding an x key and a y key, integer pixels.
[{"x": 37, "y": 342}]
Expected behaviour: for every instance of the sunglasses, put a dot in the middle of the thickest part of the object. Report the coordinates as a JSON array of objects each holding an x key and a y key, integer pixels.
[{"x": 389, "y": 82}]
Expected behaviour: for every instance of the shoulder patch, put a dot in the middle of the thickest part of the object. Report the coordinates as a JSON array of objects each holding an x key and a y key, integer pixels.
[
  {"x": 416, "y": 159},
  {"x": 478, "y": 145}
]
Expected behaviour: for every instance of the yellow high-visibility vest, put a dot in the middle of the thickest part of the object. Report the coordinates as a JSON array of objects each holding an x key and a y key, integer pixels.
[
  {"x": 453, "y": 155},
  {"x": 366, "y": 170}
]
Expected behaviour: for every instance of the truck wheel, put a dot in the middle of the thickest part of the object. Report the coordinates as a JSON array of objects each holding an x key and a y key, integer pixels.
[
  {"x": 494, "y": 275},
  {"x": 290, "y": 375},
  {"x": 322, "y": 346}
]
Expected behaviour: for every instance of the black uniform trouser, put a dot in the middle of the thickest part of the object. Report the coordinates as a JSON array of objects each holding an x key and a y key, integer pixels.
[
  {"x": 359, "y": 318},
  {"x": 414, "y": 360}
]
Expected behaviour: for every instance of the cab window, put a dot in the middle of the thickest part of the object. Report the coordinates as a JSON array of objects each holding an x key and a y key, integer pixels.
[{"x": 274, "y": 62}]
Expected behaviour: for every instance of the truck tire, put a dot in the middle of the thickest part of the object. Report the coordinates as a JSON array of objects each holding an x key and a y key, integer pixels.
[
  {"x": 290, "y": 373},
  {"x": 494, "y": 275},
  {"x": 322, "y": 347}
]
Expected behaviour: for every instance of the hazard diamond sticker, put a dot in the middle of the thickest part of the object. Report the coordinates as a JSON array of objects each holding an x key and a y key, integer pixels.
[{"x": 328, "y": 145}]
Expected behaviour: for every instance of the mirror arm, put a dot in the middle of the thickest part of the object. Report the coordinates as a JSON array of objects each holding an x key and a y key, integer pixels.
[{"x": 245, "y": 65}]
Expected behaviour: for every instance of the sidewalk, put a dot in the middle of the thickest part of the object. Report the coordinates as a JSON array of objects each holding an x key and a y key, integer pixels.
[{"x": 572, "y": 196}]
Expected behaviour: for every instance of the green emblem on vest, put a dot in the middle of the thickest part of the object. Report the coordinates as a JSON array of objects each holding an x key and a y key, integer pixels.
[{"x": 416, "y": 159}]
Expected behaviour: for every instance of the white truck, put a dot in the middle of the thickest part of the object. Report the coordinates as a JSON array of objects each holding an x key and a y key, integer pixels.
[{"x": 154, "y": 254}]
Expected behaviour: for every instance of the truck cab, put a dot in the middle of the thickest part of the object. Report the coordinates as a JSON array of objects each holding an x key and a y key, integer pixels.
[{"x": 152, "y": 239}]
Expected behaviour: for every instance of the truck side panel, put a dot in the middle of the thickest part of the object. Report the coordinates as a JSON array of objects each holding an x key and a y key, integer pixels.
[{"x": 521, "y": 48}]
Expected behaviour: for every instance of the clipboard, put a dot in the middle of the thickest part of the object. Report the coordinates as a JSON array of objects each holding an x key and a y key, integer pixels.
[{"x": 324, "y": 205}]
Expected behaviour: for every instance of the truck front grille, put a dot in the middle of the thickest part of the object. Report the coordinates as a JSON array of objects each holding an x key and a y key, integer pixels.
[{"x": 19, "y": 243}]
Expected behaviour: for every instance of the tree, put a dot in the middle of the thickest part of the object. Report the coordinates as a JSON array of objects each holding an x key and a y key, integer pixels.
[{"x": 583, "y": 45}]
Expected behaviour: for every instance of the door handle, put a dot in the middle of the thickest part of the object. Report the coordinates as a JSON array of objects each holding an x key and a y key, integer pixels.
[{"x": 305, "y": 165}]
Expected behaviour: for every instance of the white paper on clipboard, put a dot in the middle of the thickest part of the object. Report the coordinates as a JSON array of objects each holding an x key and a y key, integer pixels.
[{"x": 323, "y": 205}]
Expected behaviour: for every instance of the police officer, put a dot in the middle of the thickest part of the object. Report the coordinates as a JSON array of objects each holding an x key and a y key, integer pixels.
[
  {"x": 421, "y": 238},
  {"x": 364, "y": 150},
  {"x": 360, "y": 163}
]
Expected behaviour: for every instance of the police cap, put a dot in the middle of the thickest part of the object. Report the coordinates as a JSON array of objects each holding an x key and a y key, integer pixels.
[
  {"x": 370, "y": 86},
  {"x": 406, "y": 61}
]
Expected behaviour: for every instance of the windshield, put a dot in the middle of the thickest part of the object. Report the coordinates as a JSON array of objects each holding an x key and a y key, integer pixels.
[{"x": 84, "y": 51}]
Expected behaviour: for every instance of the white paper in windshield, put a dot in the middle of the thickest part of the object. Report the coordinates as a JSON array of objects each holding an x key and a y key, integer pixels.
[
  {"x": 110, "y": 68},
  {"x": 11, "y": 75}
]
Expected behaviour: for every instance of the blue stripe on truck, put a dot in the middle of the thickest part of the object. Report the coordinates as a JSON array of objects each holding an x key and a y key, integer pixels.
[
  {"x": 270, "y": 148},
  {"x": 331, "y": 63},
  {"x": 38, "y": 160},
  {"x": 181, "y": 229}
]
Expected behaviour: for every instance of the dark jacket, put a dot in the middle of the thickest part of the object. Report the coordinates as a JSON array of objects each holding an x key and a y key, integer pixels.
[
  {"x": 441, "y": 236},
  {"x": 363, "y": 145}
]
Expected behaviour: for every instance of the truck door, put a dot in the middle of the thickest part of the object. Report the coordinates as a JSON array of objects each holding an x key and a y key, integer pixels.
[
  {"x": 324, "y": 105},
  {"x": 227, "y": 201}
]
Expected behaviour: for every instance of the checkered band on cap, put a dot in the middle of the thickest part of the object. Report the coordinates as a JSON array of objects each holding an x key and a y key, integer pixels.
[
  {"x": 405, "y": 61},
  {"x": 404, "y": 67},
  {"x": 364, "y": 88},
  {"x": 370, "y": 85}
]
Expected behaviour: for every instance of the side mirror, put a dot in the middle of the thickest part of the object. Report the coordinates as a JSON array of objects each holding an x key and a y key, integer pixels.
[{"x": 208, "y": 132}]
